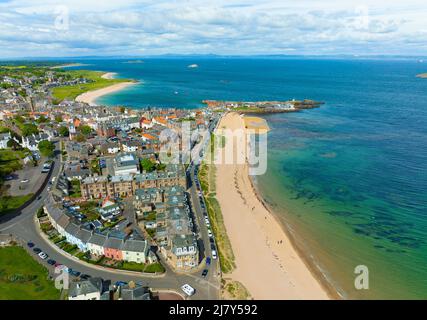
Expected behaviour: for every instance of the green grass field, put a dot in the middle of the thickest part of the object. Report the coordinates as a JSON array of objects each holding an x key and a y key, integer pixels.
[
  {"x": 9, "y": 203},
  {"x": 71, "y": 92},
  {"x": 22, "y": 278}
]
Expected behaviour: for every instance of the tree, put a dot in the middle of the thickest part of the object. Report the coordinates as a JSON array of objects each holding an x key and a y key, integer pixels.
[
  {"x": 80, "y": 138},
  {"x": 13, "y": 144},
  {"x": 29, "y": 129},
  {"x": 147, "y": 165},
  {"x": 42, "y": 119},
  {"x": 63, "y": 131},
  {"x": 58, "y": 118},
  {"x": 47, "y": 148},
  {"x": 86, "y": 130}
]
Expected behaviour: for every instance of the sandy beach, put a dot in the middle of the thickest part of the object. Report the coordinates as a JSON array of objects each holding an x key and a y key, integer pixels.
[
  {"x": 109, "y": 75},
  {"x": 91, "y": 96},
  {"x": 266, "y": 262}
]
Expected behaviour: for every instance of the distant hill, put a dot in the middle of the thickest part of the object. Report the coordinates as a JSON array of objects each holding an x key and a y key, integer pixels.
[{"x": 422, "y": 75}]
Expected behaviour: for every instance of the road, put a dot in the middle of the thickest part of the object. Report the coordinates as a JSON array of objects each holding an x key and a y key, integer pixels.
[{"x": 23, "y": 226}]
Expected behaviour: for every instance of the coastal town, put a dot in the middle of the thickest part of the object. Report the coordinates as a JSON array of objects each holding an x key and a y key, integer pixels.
[
  {"x": 124, "y": 203},
  {"x": 106, "y": 199}
]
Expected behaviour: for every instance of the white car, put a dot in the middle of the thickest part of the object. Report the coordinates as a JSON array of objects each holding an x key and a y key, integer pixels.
[
  {"x": 214, "y": 256},
  {"x": 25, "y": 181},
  {"x": 188, "y": 290},
  {"x": 43, "y": 255},
  {"x": 210, "y": 233}
]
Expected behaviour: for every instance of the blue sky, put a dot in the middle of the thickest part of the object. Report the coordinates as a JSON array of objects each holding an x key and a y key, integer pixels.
[{"x": 235, "y": 27}]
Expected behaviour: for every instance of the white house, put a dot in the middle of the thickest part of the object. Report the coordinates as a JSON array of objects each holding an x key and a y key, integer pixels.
[
  {"x": 32, "y": 142},
  {"x": 90, "y": 289},
  {"x": 4, "y": 139}
]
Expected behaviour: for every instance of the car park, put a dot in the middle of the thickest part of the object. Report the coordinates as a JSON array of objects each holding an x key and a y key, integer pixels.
[{"x": 188, "y": 290}]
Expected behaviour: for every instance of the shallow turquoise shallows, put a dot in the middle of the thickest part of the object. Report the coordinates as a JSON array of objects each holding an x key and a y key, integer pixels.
[{"x": 349, "y": 179}]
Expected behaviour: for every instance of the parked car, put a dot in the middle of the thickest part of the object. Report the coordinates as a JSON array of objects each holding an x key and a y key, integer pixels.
[
  {"x": 189, "y": 290},
  {"x": 214, "y": 256},
  {"x": 37, "y": 250},
  {"x": 51, "y": 262},
  {"x": 58, "y": 265},
  {"x": 39, "y": 197},
  {"x": 43, "y": 255},
  {"x": 208, "y": 261},
  {"x": 213, "y": 247},
  {"x": 211, "y": 240},
  {"x": 205, "y": 273},
  {"x": 30, "y": 244},
  {"x": 85, "y": 276},
  {"x": 120, "y": 283},
  {"x": 25, "y": 181},
  {"x": 75, "y": 273},
  {"x": 210, "y": 234}
]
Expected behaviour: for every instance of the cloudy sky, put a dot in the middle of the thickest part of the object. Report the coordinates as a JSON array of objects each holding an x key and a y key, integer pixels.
[{"x": 34, "y": 28}]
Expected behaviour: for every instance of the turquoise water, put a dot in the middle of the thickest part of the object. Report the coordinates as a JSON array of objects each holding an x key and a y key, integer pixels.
[{"x": 350, "y": 178}]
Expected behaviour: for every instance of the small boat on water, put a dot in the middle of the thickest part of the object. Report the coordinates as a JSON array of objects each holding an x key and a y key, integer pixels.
[{"x": 192, "y": 66}]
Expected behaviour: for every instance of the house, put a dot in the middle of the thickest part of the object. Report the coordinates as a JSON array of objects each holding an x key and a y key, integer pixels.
[
  {"x": 4, "y": 139},
  {"x": 32, "y": 142},
  {"x": 184, "y": 253},
  {"x": 134, "y": 291},
  {"x": 135, "y": 249},
  {"x": 90, "y": 289},
  {"x": 131, "y": 146},
  {"x": 145, "y": 123},
  {"x": 96, "y": 244},
  {"x": 112, "y": 246},
  {"x": 110, "y": 148},
  {"x": 125, "y": 164},
  {"x": 109, "y": 210}
]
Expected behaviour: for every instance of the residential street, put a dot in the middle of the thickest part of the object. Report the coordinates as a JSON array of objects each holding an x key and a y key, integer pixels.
[{"x": 23, "y": 226}]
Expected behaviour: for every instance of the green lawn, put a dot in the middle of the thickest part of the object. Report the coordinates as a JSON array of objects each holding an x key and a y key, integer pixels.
[
  {"x": 71, "y": 92},
  {"x": 22, "y": 278},
  {"x": 9, "y": 203},
  {"x": 10, "y": 161}
]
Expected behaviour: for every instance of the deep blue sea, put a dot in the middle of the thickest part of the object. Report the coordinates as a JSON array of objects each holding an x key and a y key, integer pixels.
[{"x": 350, "y": 178}]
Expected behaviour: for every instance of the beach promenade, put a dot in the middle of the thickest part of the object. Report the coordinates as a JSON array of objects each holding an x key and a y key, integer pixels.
[{"x": 266, "y": 262}]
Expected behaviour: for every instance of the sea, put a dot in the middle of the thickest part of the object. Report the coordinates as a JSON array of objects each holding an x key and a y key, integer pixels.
[{"x": 348, "y": 180}]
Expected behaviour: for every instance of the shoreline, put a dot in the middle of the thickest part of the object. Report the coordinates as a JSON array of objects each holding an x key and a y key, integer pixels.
[
  {"x": 320, "y": 277},
  {"x": 260, "y": 243},
  {"x": 90, "y": 97}
]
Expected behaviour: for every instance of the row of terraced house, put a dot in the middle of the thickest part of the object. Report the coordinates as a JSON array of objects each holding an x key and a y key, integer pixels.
[{"x": 117, "y": 244}]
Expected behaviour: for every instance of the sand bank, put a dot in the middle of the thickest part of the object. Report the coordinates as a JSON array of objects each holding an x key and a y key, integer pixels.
[
  {"x": 91, "y": 96},
  {"x": 266, "y": 262}
]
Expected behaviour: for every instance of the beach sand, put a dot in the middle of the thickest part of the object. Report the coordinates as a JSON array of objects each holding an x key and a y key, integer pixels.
[
  {"x": 266, "y": 262},
  {"x": 91, "y": 96},
  {"x": 109, "y": 75}
]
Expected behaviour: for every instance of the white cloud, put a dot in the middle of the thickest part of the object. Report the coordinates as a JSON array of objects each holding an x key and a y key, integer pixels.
[{"x": 226, "y": 27}]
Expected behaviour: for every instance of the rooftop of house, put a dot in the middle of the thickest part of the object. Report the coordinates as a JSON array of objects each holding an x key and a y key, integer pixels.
[{"x": 84, "y": 287}]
